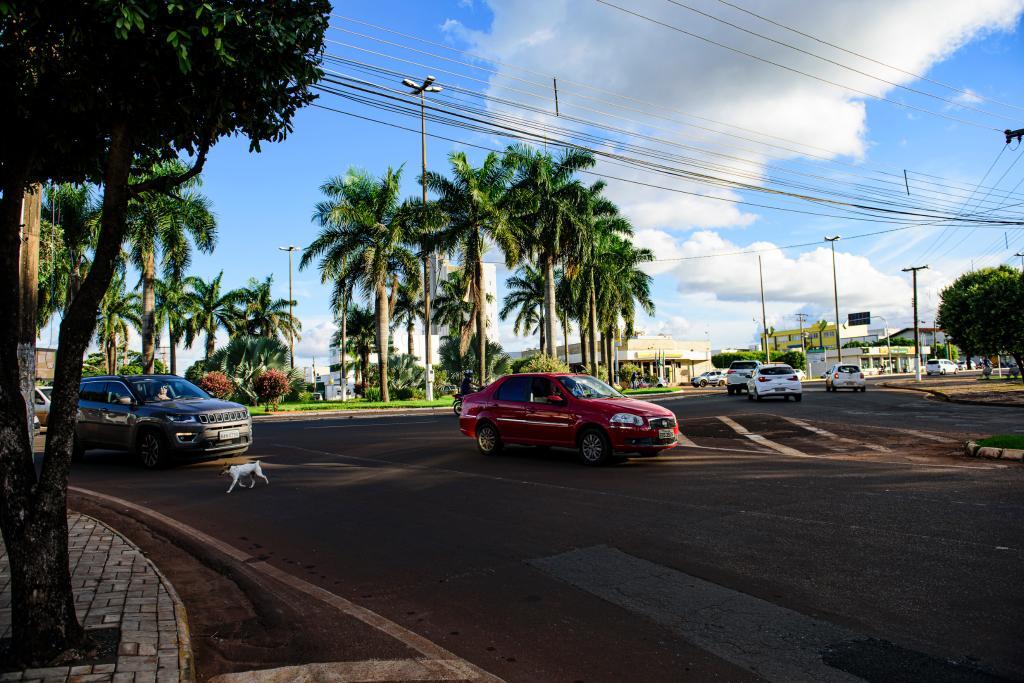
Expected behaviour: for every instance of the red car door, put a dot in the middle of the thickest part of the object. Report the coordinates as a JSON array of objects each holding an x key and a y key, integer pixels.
[
  {"x": 510, "y": 409},
  {"x": 549, "y": 421}
]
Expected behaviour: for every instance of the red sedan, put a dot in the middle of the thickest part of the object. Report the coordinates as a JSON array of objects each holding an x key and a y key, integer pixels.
[{"x": 566, "y": 410}]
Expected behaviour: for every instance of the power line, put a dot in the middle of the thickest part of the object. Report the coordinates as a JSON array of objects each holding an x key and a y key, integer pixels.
[
  {"x": 916, "y": 76},
  {"x": 710, "y": 41}
]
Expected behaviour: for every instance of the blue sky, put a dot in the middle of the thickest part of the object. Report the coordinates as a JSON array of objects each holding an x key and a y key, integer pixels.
[{"x": 263, "y": 201}]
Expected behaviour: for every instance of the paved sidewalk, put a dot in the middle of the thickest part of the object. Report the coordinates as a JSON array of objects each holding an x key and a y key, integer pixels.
[{"x": 115, "y": 586}]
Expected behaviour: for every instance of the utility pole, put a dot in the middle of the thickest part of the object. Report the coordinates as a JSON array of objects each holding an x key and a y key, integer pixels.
[
  {"x": 803, "y": 344},
  {"x": 917, "y": 329},
  {"x": 1021, "y": 255},
  {"x": 291, "y": 248},
  {"x": 422, "y": 89},
  {"x": 835, "y": 294},
  {"x": 764, "y": 316},
  {"x": 31, "y": 206}
]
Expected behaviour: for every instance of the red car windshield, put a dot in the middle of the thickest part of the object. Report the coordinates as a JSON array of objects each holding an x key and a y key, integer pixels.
[{"x": 585, "y": 386}]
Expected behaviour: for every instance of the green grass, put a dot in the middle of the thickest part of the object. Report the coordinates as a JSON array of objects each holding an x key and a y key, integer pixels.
[
  {"x": 1003, "y": 441},
  {"x": 649, "y": 390},
  {"x": 356, "y": 404}
]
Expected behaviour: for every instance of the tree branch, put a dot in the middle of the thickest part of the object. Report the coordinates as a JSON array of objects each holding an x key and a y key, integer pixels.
[{"x": 165, "y": 184}]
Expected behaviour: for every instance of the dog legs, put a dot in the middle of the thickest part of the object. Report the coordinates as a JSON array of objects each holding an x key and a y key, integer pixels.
[
  {"x": 259, "y": 473},
  {"x": 234, "y": 482}
]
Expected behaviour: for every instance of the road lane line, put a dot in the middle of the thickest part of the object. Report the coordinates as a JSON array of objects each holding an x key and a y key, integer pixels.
[
  {"x": 823, "y": 432},
  {"x": 410, "y": 639},
  {"x": 760, "y": 440},
  {"x": 925, "y": 435}
]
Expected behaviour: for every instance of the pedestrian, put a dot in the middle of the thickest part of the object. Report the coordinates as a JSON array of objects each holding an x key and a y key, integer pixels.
[
  {"x": 986, "y": 368},
  {"x": 633, "y": 380}
]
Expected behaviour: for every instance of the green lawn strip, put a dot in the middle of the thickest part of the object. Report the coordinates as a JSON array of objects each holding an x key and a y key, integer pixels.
[
  {"x": 649, "y": 390},
  {"x": 355, "y": 404},
  {"x": 1004, "y": 441}
]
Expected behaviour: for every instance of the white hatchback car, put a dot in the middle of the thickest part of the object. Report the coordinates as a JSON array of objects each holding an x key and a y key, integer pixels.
[
  {"x": 845, "y": 376},
  {"x": 775, "y": 379},
  {"x": 940, "y": 366}
]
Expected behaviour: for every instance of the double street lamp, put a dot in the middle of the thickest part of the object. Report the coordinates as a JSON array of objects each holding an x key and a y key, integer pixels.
[
  {"x": 422, "y": 89},
  {"x": 291, "y": 248}
]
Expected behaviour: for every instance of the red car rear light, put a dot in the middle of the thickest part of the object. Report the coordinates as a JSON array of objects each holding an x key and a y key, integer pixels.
[
  {"x": 730, "y": 372},
  {"x": 794, "y": 377},
  {"x": 835, "y": 376},
  {"x": 862, "y": 375},
  {"x": 762, "y": 379}
]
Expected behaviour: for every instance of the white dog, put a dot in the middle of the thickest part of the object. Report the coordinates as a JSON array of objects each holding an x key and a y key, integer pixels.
[{"x": 250, "y": 470}]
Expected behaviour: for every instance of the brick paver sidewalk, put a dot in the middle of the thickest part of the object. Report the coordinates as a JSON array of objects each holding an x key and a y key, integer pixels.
[{"x": 115, "y": 585}]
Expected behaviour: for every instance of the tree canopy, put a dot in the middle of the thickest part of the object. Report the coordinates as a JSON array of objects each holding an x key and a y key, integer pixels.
[{"x": 983, "y": 312}]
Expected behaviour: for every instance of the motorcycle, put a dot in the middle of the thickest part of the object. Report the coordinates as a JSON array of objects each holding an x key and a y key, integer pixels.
[{"x": 457, "y": 406}]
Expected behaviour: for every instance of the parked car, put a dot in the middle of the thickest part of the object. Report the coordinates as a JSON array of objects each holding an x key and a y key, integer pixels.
[
  {"x": 961, "y": 365},
  {"x": 42, "y": 404},
  {"x": 845, "y": 376},
  {"x": 569, "y": 411},
  {"x": 157, "y": 417},
  {"x": 940, "y": 366},
  {"x": 774, "y": 379},
  {"x": 801, "y": 375},
  {"x": 715, "y": 378},
  {"x": 738, "y": 373}
]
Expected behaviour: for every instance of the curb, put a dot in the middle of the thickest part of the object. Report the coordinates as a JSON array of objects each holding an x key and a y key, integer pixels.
[
  {"x": 943, "y": 396},
  {"x": 973, "y": 450},
  {"x": 349, "y": 414},
  {"x": 186, "y": 659}
]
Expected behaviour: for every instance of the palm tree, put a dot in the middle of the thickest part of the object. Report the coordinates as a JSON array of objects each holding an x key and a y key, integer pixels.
[
  {"x": 550, "y": 206},
  {"x": 66, "y": 235},
  {"x": 525, "y": 297},
  {"x": 407, "y": 311},
  {"x": 474, "y": 201},
  {"x": 259, "y": 314},
  {"x": 172, "y": 309},
  {"x": 362, "y": 331},
  {"x": 365, "y": 236},
  {"x": 119, "y": 308},
  {"x": 340, "y": 297},
  {"x": 165, "y": 224},
  {"x": 621, "y": 285},
  {"x": 210, "y": 310},
  {"x": 245, "y": 358},
  {"x": 451, "y": 309}
]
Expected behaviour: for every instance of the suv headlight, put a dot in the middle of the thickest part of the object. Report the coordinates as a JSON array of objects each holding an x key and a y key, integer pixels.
[
  {"x": 624, "y": 419},
  {"x": 181, "y": 418}
]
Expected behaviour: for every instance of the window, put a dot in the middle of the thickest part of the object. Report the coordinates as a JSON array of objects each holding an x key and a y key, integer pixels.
[
  {"x": 848, "y": 368},
  {"x": 540, "y": 389},
  {"x": 115, "y": 391},
  {"x": 743, "y": 364},
  {"x": 585, "y": 386},
  {"x": 776, "y": 370},
  {"x": 166, "y": 389},
  {"x": 515, "y": 389},
  {"x": 92, "y": 391}
]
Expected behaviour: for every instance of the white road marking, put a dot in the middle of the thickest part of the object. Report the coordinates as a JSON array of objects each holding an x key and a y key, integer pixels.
[
  {"x": 758, "y": 439},
  {"x": 925, "y": 435},
  {"x": 367, "y": 671},
  {"x": 685, "y": 441},
  {"x": 412, "y": 640},
  {"x": 822, "y": 432}
]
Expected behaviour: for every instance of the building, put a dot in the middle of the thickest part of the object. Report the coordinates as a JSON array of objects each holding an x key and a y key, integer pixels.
[
  {"x": 660, "y": 355},
  {"x": 788, "y": 340},
  {"x": 874, "y": 360},
  {"x": 929, "y": 336}
]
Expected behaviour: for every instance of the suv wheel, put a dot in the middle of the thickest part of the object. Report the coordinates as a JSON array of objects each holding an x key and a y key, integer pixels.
[
  {"x": 594, "y": 448},
  {"x": 152, "y": 449},
  {"x": 487, "y": 439},
  {"x": 703, "y": 383}
]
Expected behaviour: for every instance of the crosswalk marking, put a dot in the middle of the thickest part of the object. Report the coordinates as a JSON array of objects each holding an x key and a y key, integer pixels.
[
  {"x": 925, "y": 435},
  {"x": 760, "y": 440},
  {"x": 823, "y": 432}
]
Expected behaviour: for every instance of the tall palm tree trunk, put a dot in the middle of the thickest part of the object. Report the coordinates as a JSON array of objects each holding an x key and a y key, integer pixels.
[
  {"x": 344, "y": 345},
  {"x": 148, "y": 313},
  {"x": 409, "y": 329},
  {"x": 547, "y": 330},
  {"x": 111, "y": 349},
  {"x": 365, "y": 380},
  {"x": 382, "y": 341},
  {"x": 565, "y": 339},
  {"x": 481, "y": 322},
  {"x": 609, "y": 340},
  {"x": 173, "y": 338},
  {"x": 584, "y": 356},
  {"x": 211, "y": 339},
  {"x": 593, "y": 326}
]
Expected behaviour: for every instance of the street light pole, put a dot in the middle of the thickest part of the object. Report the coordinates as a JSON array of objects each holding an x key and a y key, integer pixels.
[
  {"x": 291, "y": 332},
  {"x": 888, "y": 343},
  {"x": 421, "y": 90},
  {"x": 835, "y": 294},
  {"x": 1021, "y": 255},
  {"x": 764, "y": 316},
  {"x": 917, "y": 330}
]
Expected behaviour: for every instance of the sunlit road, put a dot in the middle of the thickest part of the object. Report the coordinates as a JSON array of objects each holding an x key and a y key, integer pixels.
[{"x": 845, "y": 517}]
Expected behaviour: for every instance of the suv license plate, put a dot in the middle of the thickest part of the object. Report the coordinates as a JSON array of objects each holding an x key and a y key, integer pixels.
[
  {"x": 226, "y": 434},
  {"x": 665, "y": 434}
]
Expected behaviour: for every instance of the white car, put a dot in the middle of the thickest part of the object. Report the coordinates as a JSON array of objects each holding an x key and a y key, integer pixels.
[
  {"x": 738, "y": 374},
  {"x": 845, "y": 376},
  {"x": 775, "y": 379},
  {"x": 715, "y": 378},
  {"x": 940, "y": 366}
]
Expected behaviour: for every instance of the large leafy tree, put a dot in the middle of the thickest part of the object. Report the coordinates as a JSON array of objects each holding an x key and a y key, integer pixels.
[
  {"x": 162, "y": 227},
  {"x": 98, "y": 92},
  {"x": 365, "y": 236},
  {"x": 525, "y": 298},
  {"x": 473, "y": 199},
  {"x": 983, "y": 312},
  {"x": 550, "y": 207},
  {"x": 259, "y": 314},
  {"x": 210, "y": 309}
]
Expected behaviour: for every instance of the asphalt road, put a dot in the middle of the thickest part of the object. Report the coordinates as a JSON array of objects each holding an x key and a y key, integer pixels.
[{"x": 839, "y": 537}]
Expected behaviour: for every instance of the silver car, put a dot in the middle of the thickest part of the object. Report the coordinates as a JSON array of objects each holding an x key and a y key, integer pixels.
[
  {"x": 158, "y": 417},
  {"x": 845, "y": 376}
]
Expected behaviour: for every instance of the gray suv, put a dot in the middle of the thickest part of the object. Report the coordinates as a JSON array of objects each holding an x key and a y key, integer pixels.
[{"x": 158, "y": 416}]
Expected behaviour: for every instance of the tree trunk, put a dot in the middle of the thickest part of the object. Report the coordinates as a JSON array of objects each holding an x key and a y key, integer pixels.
[
  {"x": 410, "y": 328},
  {"x": 593, "y": 326},
  {"x": 365, "y": 380},
  {"x": 584, "y": 356},
  {"x": 33, "y": 513},
  {"x": 173, "y": 339},
  {"x": 110, "y": 347},
  {"x": 547, "y": 330},
  {"x": 481, "y": 322},
  {"x": 565, "y": 340},
  {"x": 148, "y": 313},
  {"x": 344, "y": 346},
  {"x": 211, "y": 340},
  {"x": 609, "y": 340},
  {"x": 382, "y": 341}
]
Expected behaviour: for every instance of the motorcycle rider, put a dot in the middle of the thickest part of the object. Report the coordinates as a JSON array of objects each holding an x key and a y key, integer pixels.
[{"x": 467, "y": 383}]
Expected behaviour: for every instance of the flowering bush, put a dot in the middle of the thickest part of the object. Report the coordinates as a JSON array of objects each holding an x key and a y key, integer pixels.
[
  {"x": 270, "y": 386},
  {"x": 216, "y": 384}
]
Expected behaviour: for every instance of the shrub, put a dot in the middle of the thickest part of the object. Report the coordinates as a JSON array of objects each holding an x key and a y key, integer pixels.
[
  {"x": 626, "y": 371},
  {"x": 543, "y": 363},
  {"x": 517, "y": 365},
  {"x": 304, "y": 396},
  {"x": 371, "y": 393},
  {"x": 794, "y": 359},
  {"x": 195, "y": 372},
  {"x": 270, "y": 386},
  {"x": 724, "y": 360},
  {"x": 404, "y": 394},
  {"x": 216, "y": 384}
]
